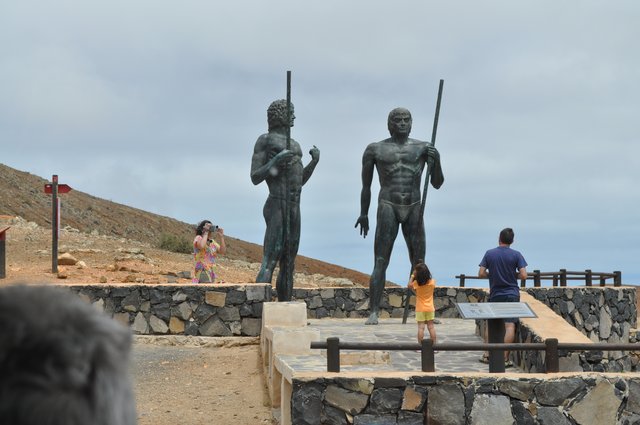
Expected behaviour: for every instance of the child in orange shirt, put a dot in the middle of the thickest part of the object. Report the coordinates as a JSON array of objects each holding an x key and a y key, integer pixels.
[{"x": 423, "y": 285}]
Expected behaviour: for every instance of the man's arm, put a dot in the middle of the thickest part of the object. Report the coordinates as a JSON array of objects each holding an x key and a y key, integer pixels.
[
  {"x": 365, "y": 195},
  {"x": 522, "y": 273},
  {"x": 483, "y": 272},
  {"x": 308, "y": 170}
]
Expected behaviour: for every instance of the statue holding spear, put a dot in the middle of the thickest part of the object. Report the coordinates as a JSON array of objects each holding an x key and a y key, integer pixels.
[
  {"x": 277, "y": 159},
  {"x": 399, "y": 161}
]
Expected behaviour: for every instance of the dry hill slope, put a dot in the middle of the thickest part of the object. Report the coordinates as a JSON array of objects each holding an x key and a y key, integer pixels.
[{"x": 22, "y": 194}]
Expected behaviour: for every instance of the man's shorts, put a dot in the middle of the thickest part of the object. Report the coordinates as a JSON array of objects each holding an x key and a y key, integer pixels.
[
  {"x": 425, "y": 316},
  {"x": 506, "y": 299}
]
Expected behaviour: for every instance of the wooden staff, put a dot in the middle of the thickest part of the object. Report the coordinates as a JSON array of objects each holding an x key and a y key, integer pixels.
[
  {"x": 433, "y": 143},
  {"x": 287, "y": 218}
]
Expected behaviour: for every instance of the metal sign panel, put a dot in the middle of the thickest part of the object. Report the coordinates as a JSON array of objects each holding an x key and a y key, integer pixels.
[
  {"x": 494, "y": 310},
  {"x": 62, "y": 188}
]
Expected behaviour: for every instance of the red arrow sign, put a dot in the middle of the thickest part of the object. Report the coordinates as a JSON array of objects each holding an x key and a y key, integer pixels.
[{"x": 62, "y": 188}]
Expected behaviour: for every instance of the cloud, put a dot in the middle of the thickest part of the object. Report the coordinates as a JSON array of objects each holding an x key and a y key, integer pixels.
[{"x": 158, "y": 106}]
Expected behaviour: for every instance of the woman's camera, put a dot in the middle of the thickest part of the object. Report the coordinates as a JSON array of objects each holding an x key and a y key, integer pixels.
[{"x": 213, "y": 228}]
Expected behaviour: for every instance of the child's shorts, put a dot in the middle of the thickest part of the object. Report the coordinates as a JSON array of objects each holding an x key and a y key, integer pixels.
[{"x": 425, "y": 316}]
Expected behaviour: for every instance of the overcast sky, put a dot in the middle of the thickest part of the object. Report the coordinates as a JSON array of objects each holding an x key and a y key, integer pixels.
[{"x": 157, "y": 105}]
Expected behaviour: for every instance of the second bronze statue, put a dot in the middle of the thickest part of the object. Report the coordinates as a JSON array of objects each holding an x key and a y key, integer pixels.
[{"x": 399, "y": 161}]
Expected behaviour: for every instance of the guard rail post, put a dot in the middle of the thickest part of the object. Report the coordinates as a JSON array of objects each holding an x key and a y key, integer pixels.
[
  {"x": 588, "y": 277},
  {"x": 552, "y": 361},
  {"x": 333, "y": 354},
  {"x": 617, "y": 278},
  {"x": 536, "y": 278},
  {"x": 427, "y": 356}
]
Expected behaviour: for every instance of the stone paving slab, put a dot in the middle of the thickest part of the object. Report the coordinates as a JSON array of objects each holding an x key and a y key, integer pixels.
[{"x": 391, "y": 330}]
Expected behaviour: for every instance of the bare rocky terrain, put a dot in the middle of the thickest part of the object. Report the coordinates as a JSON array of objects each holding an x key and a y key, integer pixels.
[{"x": 118, "y": 243}]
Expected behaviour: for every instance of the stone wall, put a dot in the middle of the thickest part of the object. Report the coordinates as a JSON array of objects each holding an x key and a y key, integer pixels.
[
  {"x": 354, "y": 302},
  {"x": 573, "y": 361},
  {"x": 207, "y": 310},
  {"x": 585, "y": 399},
  {"x": 604, "y": 314}
]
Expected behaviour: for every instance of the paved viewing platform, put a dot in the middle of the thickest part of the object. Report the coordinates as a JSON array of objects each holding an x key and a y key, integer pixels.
[{"x": 390, "y": 331}]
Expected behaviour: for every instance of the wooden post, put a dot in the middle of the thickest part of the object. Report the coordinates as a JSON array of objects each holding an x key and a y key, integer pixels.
[
  {"x": 563, "y": 277},
  {"x": 427, "y": 356},
  {"x": 462, "y": 277},
  {"x": 3, "y": 251},
  {"x": 333, "y": 354},
  {"x": 617, "y": 278},
  {"x": 555, "y": 279},
  {"x": 603, "y": 280},
  {"x": 536, "y": 278},
  {"x": 588, "y": 277},
  {"x": 496, "y": 335},
  {"x": 552, "y": 362},
  {"x": 54, "y": 224}
]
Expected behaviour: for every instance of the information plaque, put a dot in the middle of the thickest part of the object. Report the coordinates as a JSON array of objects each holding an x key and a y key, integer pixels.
[{"x": 494, "y": 310}]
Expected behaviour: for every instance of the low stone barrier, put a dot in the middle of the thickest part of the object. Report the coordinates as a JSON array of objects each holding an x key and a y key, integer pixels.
[
  {"x": 452, "y": 400},
  {"x": 604, "y": 314},
  {"x": 207, "y": 310},
  {"x": 353, "y": 303}
]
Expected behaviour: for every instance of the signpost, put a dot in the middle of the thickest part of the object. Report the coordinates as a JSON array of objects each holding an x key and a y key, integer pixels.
[
  {"x": 53, "y": 189},
  {"x": 494, "y": 313},
  {"x": 3, "y": 232}
]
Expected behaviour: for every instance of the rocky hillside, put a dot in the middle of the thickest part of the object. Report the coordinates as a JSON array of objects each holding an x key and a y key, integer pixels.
[{"x": 22, "y": 194}]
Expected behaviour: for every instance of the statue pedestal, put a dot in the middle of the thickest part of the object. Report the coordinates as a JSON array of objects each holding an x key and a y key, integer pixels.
[{"x": 284, "y": 331}]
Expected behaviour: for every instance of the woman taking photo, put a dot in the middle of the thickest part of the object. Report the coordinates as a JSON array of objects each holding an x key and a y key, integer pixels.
[{"x": 206, "y": 250}]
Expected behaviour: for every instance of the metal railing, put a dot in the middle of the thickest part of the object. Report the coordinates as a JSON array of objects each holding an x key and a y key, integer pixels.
[
  {"x": 559, "y": 278},
  {"x": 551, "y": 346}
]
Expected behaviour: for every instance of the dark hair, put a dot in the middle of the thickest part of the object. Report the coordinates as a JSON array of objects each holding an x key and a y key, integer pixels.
[
  {"x": 506, "y": 235},
  {"x": 61, "y": 361},
  {"x": 200, "y": 228},
  {"x": 421, "y": 273},
  {"x": 277, "y": 114}
]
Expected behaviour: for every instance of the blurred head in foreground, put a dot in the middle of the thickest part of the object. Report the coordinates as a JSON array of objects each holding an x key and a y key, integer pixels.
[{"x": 61, "y": 361}]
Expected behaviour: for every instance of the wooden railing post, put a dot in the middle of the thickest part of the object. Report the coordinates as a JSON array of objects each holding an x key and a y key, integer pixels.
[
  {"x": 555, "y": 279},
  {"x": 552, "y": 362},
  {"x": 333, "y": 354},
  {"x": 588, "y": 277},
  {"x": 462, "y": 277},
  {"x": 617, "y": 278},
  {"x": 603, "y": 280},
  {"x": 563, "y": 277},
  {"x": 536, "y": 278},
  {"x": 427, "y": 356}
]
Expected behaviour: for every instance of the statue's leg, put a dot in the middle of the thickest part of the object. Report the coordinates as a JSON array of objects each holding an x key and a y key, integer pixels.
[
  {"x": 284, "y": 284},
  {"x": 414, "y": 236},
  {"x": 386, "y": 232},
  {"x": 273, "y": 242}
]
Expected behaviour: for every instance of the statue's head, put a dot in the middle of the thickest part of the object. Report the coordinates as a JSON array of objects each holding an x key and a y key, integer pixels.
[
  {"x": 399, "y": 121},
  {"x": 277, "y": 114}
]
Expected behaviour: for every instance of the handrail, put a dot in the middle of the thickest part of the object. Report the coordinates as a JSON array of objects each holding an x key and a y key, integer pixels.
[
  {"x": 559, "y": 278},
  {"x": 551, "y": 346}
]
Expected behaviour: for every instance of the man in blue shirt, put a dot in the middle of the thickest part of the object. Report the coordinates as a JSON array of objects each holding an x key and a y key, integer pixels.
[{"x": 504, "y": 266}]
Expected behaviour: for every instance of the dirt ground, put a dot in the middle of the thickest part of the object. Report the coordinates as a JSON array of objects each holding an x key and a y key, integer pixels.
[{"x": 193, "y": 385}]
